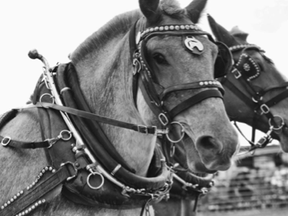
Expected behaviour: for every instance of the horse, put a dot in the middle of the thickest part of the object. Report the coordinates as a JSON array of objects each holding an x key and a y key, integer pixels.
[
  {"x": 95, "y": 123},
  {"x": 255, "y": 94},
  {"x": 260, "y": 89}
]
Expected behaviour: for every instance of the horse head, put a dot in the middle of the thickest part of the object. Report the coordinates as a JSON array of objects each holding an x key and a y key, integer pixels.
[
  {"x": 258, "y": 89},
  {"x": 180, "y": 60}
]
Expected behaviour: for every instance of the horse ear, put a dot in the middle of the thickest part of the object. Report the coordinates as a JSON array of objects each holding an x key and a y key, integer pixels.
[
  {"x": 221, "y": 33},
  {"x": 150, "y": 9},
  {"x": 195, "y": 8},
  {"x": 239, "y": 34}
]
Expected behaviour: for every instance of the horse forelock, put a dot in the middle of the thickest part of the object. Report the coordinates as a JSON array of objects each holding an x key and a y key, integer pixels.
[
  {"x": 118, "y": 25},
  {"x": 172, "y": 8}
]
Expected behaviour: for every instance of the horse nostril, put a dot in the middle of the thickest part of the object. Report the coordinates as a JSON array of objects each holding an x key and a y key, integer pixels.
[{"x": 209, "y": 143}]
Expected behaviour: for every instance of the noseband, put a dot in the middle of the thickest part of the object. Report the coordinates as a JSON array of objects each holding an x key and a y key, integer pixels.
[{"x": 246, "y": 70}]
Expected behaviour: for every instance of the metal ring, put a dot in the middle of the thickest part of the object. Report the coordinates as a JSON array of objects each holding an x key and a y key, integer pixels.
[
  {"x": 281, "y": 125},
  {"x": 92, "y": 174},
  {"x": 47, "y": 94},
  {"x": 5, "y": 141},
  {"x": 65, "y": 131},
  {"x": 182, "y": 131},
  {"x": 64, "y": 89}
]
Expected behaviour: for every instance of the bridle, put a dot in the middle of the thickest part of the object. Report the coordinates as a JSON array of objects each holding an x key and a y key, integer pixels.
[
  {"x": 185, "y": 182},
  {"x": 153, "y": 92},
  {"x": 244, "y": 71}
]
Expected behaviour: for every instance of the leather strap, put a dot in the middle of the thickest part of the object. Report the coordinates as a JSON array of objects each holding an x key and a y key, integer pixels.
[
  {"x": 33, "y": 195},
  {"x": 203, "y": 95}
]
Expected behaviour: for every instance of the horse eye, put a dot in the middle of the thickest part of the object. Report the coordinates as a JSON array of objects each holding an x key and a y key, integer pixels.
[{"x": 159, "y": 58}]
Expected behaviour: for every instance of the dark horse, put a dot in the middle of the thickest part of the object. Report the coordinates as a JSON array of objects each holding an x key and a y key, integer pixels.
[
  {"x": 99, "y": 118},
  {"x": 258, "y": 89},
  {"x": 255, "y": 93}
]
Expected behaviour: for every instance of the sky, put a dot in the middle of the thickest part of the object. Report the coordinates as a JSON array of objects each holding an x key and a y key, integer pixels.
[{"x": 56, "y": 27}]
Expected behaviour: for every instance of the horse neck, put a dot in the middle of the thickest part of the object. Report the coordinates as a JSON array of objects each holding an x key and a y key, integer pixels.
[{"x": 107, "y": 86}]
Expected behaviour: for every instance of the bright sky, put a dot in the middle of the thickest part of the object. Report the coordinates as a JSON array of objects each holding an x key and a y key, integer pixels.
[{"x": 57, "y": 27}]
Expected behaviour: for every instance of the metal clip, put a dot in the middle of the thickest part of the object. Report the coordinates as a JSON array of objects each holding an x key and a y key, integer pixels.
[{"x": 62, "y": 136}]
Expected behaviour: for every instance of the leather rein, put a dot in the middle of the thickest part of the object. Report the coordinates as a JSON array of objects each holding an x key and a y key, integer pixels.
[{"x": 255, "y": 98}]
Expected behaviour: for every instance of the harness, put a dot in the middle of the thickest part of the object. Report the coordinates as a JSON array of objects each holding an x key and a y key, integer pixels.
[
  {"x": 245, "y": 70},
  {"x": 84, "y": 163}
]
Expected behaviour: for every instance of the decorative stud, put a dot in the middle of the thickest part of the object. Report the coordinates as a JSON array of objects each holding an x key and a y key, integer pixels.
[
  {"x": 169, "y": 28},
  {"x": 246, "y": 67},
  {"x": 242, "y": 46},
  {"x": 31, "y": 208},
  {"x": 40, "y": 175},
  {"x": 12, "y": 199}
]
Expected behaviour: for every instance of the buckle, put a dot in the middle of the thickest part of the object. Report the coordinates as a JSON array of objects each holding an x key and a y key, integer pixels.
[
  {"x": 264, "y": 109},
  {"x": 236, "y": 73},
  {"x": 142, "y": 129},
  {"x": 163, "y": 119},
  {"x": 74, "y": 167},
  {"x": 136, "y": 66},
  {"x": 5, "y": 141}
]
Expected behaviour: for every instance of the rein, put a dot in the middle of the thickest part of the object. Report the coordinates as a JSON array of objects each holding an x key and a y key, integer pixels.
[{"x": 244, "y": 71}]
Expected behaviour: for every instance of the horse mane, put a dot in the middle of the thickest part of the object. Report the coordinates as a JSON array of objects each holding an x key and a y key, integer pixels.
[{"x": 120, "y": 24}]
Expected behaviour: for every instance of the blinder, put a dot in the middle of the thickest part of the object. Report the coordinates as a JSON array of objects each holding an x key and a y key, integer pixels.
[
  {"x": 246, "y": 66},
  {"x": 224, "y": 60}
]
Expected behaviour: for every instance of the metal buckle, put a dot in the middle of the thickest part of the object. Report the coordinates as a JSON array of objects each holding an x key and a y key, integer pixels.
[
  {"x": 163, "y": 119},
  {"x": 142, "y": 129},
  {"x": 136, "y": 66},
  {"x": 74, "y": 167},
  {"x": 5, "y": 141},
  {"x": 236, "y": 73},
  {"x": 265, "y": 109},
  {"x": 52, "y": 141}
]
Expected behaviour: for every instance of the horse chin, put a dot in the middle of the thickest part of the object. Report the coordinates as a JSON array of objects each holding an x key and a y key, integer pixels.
[
  {"x": 193, "y": 159},
  {"x": 196, "y": 162}
]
